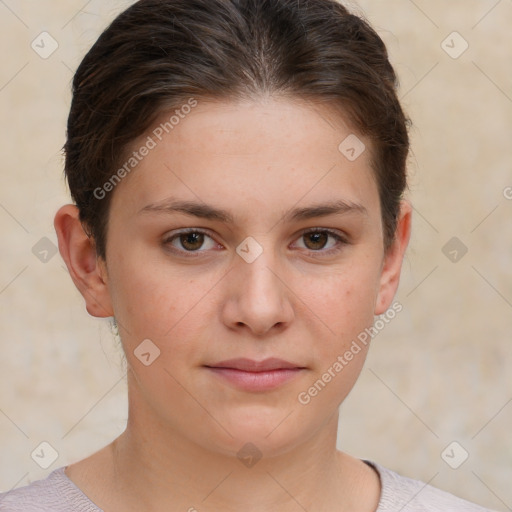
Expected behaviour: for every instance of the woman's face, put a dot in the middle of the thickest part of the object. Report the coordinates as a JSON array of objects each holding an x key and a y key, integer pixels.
[{"x": 250, "y": 181}]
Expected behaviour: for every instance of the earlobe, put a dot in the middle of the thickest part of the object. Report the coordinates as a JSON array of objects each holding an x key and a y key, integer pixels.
[
  {"x": 392, "y": 265},
  {"x": 86, "y": 270}
]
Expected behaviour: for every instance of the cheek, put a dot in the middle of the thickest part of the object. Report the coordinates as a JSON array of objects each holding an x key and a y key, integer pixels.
[
  {"x": 138, "y": 292},
  {"x": 345, "y": 309},
  {"x": 156, "y": 301},
  {"x": 345, "y": 301}
]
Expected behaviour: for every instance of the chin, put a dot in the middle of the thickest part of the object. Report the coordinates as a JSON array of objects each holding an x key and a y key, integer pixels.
[{"x": 266, "y": 435}]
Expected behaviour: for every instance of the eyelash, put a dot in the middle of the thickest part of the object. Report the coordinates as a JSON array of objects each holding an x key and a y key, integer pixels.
[{"x": 341, "y": 241}]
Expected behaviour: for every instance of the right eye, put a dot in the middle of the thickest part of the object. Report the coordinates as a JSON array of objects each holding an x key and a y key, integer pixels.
[{"x": 189, "y": 241}]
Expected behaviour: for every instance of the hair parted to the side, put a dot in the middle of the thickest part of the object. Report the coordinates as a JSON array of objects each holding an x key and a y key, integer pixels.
[{"x": 158, "y": 54}]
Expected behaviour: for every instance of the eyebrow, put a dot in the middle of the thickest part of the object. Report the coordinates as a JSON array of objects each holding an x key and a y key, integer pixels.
[{"x": 205, "y": 211}]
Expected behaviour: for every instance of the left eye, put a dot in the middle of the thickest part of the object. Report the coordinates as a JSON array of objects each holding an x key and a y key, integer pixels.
[{"x": 317, "y": 240}]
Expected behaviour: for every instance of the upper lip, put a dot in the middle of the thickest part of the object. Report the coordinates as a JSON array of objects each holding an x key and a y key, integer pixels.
[{"x": 249, "y": 365}]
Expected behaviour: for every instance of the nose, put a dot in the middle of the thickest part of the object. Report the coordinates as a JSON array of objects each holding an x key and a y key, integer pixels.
[{"x": 259, "y": 299}]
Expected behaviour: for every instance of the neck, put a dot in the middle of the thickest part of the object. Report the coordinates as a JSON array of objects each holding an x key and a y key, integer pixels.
[{"x": 171, "y": 469}]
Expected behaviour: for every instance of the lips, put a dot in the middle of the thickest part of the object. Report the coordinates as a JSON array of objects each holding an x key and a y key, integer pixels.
[
  {"x": 249, "y": 365},
  {"x": 254, "y": 376}
]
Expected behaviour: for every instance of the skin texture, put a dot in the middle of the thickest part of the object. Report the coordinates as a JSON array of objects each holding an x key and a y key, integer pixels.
[{"x": 298, "y": 300}]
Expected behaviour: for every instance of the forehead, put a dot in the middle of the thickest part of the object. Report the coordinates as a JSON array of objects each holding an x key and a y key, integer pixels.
[
  {"x": 262, "y": 152},
  {"x": 256, "y": 127}
]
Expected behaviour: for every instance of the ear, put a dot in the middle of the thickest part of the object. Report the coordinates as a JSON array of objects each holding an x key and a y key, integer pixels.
[
  {"x": 86, "y": 269},
  {"x": 392, "y": 263}
]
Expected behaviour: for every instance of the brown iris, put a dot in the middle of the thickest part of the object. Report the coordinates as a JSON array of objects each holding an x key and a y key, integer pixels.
[
  {"x": 319, "y": 240},
  {"x": 192, "y": 241}
]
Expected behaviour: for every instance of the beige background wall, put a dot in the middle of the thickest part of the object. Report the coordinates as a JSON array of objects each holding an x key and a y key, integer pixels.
[{"x": 440, "y": 372}]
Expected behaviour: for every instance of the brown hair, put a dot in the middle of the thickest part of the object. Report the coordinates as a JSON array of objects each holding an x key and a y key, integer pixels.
[{"x": 158, "y": 54}]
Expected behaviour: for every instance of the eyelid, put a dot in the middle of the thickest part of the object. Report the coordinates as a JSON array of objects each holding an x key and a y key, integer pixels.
[{"x": 331, "y": 231}]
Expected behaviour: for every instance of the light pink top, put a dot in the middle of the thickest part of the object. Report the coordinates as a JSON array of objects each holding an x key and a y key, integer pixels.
[{"x": 57, "y": 493}]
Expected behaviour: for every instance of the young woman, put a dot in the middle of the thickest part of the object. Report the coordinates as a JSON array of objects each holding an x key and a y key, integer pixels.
[{"x": 238, "y": 170}]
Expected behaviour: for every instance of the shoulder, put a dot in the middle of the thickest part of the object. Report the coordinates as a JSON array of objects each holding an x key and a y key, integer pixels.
[
  {"x": 55, "y": 493},
  {"x": 408, "y": 495}
]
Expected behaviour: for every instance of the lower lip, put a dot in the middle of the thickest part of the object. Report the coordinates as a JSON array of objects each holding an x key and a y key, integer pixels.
[{"x": 257, "y": 381}]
